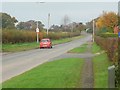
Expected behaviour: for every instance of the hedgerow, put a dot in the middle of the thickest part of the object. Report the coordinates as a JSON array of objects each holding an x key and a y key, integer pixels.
[
  {"x": 110, "y": 45},
  {"x": 21, "y": 36},
  {"x": 18, "y": 36}
]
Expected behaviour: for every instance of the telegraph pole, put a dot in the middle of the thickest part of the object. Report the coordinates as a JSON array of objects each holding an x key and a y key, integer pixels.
[
  {"x": 48, "y": 22},
  {"x": 37, "y": 31}
]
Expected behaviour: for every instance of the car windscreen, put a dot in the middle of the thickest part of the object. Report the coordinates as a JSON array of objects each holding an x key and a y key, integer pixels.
[{"x": 44, "y": 40}]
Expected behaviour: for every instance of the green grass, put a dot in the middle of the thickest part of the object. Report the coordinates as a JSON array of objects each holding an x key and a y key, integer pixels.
[
  {"x": 65, "y": 40},
  {"x": 80, "y": 49},
  {"x": 101, "y": 64},
  {"x": 28, "y": 46},
  {"x": 64, "y": 73},
  {"x": 19, "y": 47},
  {"x": 0, "y": 47},
  {"x": 100, "y": 68},
  {"x": 96, "y": 48}
]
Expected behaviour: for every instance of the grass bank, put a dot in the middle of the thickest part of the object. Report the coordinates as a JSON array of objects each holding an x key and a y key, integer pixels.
[
  {"x": 19, "y": 47},
  {"x": 100, "y": 68},
  {"x": 81, "y": 49},
  {"x": 28, "y": 46},
  {"x": 64, "y": 73},
  {"x": 60, "y": 41},
  {"x": 96, "y": 48},
  {"x": 100, "y": 65}
]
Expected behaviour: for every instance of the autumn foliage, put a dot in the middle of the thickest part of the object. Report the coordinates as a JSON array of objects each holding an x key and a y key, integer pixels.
[{"x": 107, "y": 20}]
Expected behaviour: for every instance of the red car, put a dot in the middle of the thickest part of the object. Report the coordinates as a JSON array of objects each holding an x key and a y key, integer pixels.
[{"x": 45, "y": 43}]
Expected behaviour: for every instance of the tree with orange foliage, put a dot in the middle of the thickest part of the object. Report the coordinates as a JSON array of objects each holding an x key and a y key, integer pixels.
[{"x": 107, "y": 20}]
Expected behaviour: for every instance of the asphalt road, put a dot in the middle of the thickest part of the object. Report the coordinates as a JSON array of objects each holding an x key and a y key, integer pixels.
[{"x": 16, "y": 63}]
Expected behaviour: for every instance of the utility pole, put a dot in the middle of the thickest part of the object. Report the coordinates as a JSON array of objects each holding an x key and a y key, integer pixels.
[
  {"x": 37, "y": 31},
  {"x": 48, "y": 23},
  {"x": 93, "y": 30}
]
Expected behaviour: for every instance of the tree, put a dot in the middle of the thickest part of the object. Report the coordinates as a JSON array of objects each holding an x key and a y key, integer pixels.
[
  {"x": 8, "y": 21},
  {"x": 30, "y": 25},
  {"x": 20, "y": 25},
  {"x": 81, "y": 26},
  {"x": 89, "y": 25},
  {"x": 55, "y": 28},
  {"x": 66, "y": 20},
  {"x": 107, "y": 20}
]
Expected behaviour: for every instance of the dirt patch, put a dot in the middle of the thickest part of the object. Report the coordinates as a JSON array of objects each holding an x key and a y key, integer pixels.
[{"x": 87, "y": 74}]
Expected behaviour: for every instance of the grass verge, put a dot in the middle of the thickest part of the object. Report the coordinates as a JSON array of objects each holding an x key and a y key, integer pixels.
[
  {"x": 19, "y": 47},
  {"x": 80, "y": 49},
  {"x": 96, "y": 48},
  {"x": 28, "y": 46},
  {"x": 64, "y": 73},
  {"x": 100, "y": 68}
]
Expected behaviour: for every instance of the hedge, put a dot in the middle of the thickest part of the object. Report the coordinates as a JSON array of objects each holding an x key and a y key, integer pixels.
[
  {"x": 109, "y": 44},
  {"x": 106, "y": 35},
  {"x": 20, "y": 36}
]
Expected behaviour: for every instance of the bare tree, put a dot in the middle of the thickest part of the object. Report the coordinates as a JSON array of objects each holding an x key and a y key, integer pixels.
[{"x": 66, "y": 20}]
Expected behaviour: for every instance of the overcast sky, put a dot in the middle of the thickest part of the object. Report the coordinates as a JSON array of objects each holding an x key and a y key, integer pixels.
[{"x": 76, "y": 11}]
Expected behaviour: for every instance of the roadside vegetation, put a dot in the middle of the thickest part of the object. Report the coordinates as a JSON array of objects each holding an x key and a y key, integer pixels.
[
  {"x": 96, "y": 48},
  {"x": 54, "y": 42},
  {"x": 100, "y": 66},
  {"x": 80, "y": 49},
  {"x": 23, "y": 37},
  {"x": 63, "y": 73},
  {"x": 101, "y": 63},
  {"x": 106, "y": 36},
  {"x": 67, "y": 73},
  {"x": 13, "y": 36},
  {"x": 32, "y": 45},
  {"x": 19, "y": 47}
]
